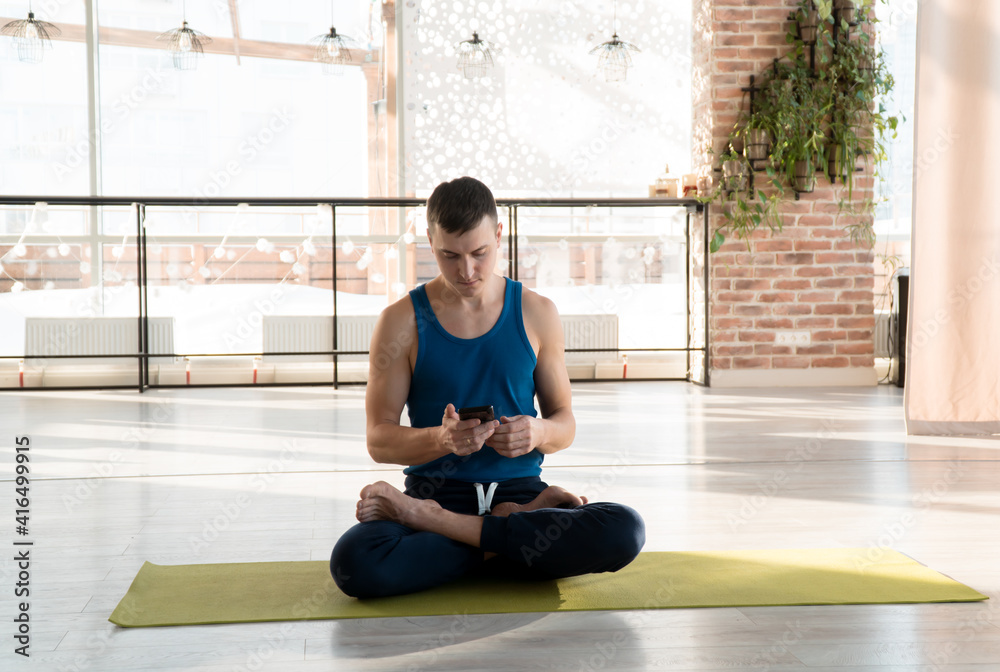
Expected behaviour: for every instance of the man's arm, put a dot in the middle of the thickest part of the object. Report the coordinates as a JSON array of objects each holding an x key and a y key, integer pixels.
[
  {"x": 393, "y": 346},
  {"x": 555, "y": 428}
]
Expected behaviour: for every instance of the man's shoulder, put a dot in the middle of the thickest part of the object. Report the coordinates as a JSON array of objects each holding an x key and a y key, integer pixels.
[
  {"x": 400, "y": 311},
  {"x": 539, "y": 311},
  {"x": 532, "y": 300}
]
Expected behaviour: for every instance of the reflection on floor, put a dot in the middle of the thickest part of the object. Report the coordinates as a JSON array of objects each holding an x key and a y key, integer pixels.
[{"x": 229, "y": 475}]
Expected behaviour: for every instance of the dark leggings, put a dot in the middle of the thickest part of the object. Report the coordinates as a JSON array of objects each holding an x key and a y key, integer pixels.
[{"x": 381, "y": 558}]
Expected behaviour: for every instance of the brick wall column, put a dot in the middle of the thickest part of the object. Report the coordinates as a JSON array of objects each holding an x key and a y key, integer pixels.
[{"x": 809, "y": 279}]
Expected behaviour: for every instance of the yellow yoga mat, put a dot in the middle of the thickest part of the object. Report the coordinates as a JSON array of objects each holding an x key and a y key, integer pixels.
[{"x": 283, "y": 591}]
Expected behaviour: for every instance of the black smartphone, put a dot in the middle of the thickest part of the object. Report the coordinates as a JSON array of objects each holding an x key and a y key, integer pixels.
[{"x": 484, "y": 413}]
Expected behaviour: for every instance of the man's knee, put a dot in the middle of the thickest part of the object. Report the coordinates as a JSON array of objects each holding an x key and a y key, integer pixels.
[
  {"x": 624, "y": 533},
  {"x": 354, "y": 567},
  {"x": 344, "y": 567},
  {"x": 632, "y": 531},
  {"x": 599, "y": 537},
  {"x": 360, "y": 577}
]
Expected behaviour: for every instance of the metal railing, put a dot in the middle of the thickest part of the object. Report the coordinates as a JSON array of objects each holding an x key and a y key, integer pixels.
[{"x": 696, "y": 221}]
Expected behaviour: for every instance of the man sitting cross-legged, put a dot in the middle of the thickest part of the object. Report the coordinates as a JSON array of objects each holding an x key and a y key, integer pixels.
[{"x": 470, "y": 337}]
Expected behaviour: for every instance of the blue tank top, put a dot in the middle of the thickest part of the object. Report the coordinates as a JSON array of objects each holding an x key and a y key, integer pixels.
[{"x": 495, "y": 369}]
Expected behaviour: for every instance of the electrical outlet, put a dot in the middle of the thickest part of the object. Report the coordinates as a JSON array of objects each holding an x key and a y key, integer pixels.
[{"x": 793, "y": 338}]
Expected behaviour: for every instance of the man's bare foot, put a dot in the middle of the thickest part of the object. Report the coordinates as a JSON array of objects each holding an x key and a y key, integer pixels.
[
  {"x": 552, "y": 497},
  {"x": 381, "y": 501}
]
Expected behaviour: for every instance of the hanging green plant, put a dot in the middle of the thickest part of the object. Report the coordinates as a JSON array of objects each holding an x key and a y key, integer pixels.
[
  {"x": 818, "y": 110},
  {"x": 744, "y": 210}
]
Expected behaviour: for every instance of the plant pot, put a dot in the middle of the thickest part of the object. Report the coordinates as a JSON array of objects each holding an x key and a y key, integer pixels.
[
  {"x": 838, "y": 162},
  {"x": 734, "y": 177},
  {"x": 865, "y": 67},
  {"x": 757, "y": 146},
  {"x": 808, "y": 25},
  {"x": 804, "y": 180},
  {"x": 835, "y": 152},
  {"x": 846, "y": 11}
]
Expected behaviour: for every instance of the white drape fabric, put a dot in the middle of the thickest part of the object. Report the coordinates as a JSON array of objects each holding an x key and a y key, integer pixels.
[{"x": 953, "y": 335}]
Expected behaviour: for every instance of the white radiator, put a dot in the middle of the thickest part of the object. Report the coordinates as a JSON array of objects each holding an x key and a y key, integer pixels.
[
  {"x": 883, "y": 334},
  {"x": 48, "y": 336},
  {"x": 313, "y": 333},
  {"x": 591, "y": 331}
]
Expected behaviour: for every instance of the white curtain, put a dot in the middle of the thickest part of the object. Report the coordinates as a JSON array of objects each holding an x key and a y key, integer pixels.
[{"x": 953, "y": 335}]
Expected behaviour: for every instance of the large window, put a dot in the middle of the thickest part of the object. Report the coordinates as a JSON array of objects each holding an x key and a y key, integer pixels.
[
  {"x": 546, "y": 123},
  {"x": 270, "y": 122},
  {"x": 44, "y": 142},
  {"x": 893, "y": 217},
  {"x": 258, "y": 118},
  {"x": 275, "y": 128}
]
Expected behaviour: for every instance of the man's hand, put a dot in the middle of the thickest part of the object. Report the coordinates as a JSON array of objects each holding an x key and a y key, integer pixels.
[
  {"x": 463, "y": 437},
  {"x": 516, "y": 435}
]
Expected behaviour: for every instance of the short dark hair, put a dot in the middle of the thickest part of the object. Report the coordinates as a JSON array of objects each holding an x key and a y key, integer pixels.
[{"x": 460, "y": 205}]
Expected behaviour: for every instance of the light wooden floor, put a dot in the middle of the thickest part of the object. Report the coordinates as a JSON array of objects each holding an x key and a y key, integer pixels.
[{"x": 272, "y": 474}]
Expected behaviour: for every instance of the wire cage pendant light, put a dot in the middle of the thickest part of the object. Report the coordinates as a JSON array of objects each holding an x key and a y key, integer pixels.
[
  {"x": 185, "y": 44},
  {"x": 476, "y": 57},
  {"x": 615, "y": 55},
  {"x": 31, "y": 36},
  {"x": 333, "y": 50}
]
